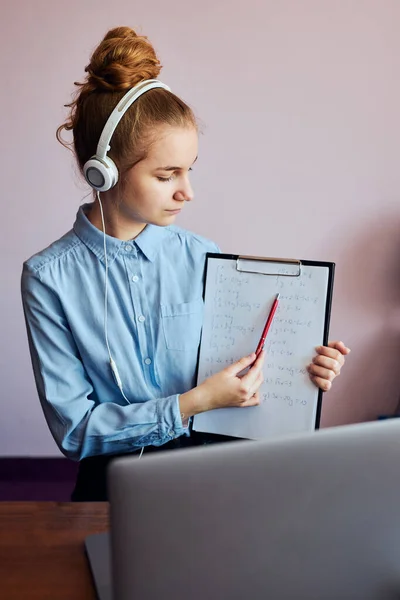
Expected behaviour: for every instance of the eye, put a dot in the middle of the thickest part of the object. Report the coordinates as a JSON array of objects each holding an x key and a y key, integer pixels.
[{"x": 166, "y": 179}]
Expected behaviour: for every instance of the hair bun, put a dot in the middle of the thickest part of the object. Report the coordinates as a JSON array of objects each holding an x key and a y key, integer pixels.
[{"x": 122, "y": 60}]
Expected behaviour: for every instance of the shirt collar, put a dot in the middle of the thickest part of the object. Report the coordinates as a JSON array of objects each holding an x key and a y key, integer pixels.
[{"x": 148, "y": 241}]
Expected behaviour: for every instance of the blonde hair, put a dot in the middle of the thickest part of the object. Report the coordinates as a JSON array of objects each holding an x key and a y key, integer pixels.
[{"x": 121, "y": 61}]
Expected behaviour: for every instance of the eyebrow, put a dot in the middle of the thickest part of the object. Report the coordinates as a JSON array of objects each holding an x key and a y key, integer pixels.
[{"x": 168, "y": 168}]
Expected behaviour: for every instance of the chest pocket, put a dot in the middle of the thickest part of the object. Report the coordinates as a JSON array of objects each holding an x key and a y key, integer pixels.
[{"x": 182, "y": 324}]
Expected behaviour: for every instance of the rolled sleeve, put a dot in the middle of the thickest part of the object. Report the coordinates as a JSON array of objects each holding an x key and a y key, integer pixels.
[{"x": 170, "y": 420}]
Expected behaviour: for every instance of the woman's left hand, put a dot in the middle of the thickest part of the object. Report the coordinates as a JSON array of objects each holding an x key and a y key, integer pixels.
[{"x": 326, "y": 366}]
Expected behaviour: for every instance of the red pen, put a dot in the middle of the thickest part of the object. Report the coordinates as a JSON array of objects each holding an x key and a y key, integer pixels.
[{"x": 261, "y": 343}]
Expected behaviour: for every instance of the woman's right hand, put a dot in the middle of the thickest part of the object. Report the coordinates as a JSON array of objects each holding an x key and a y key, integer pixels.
[{"x": 227, "y": 388}]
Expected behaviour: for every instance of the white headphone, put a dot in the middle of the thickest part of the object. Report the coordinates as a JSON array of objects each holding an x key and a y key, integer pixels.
[{"x": 100, "y": 171}]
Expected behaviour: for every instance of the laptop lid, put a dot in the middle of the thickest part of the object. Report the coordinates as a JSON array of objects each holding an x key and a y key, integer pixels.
[
  {"x": 313, "y": 516},
  {"x": 97, "y": 548}
]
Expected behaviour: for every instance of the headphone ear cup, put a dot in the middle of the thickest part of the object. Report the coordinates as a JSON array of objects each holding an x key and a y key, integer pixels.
[{"x": 101, "y": 174}]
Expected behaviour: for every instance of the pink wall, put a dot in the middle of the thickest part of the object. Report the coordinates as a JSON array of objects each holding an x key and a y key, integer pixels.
[{"x": 300, "y": 157}]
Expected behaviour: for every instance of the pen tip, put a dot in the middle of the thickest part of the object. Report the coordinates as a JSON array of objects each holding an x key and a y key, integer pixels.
[{"x": 277, "y": 296}]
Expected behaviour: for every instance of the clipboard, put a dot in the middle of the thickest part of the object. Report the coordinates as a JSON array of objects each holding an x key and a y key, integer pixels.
[{"x": 267, "y": 275}]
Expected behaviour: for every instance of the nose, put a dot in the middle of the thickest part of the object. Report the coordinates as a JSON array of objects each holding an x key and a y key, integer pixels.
[{"x": 185, "y": 192}]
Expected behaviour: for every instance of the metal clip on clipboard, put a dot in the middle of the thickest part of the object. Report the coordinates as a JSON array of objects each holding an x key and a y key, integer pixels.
[{"x": 254, "y": 264}]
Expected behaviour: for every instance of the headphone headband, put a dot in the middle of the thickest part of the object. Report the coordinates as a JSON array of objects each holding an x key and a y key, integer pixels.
[
  {"x": 100, "y": 171},
  {"x": 126, "y": 101}
]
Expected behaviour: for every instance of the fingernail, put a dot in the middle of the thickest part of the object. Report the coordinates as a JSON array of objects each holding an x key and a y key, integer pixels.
[{"x": 318, "y": 348}]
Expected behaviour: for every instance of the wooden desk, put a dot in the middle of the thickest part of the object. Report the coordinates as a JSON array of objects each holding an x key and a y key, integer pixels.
[{"x": 42, "y": 555}]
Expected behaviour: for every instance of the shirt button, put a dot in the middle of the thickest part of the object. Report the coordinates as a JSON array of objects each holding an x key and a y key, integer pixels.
[
  {"x": 135, "y": 278},
  {"x": 171, "y": 433},
  {"x": 129, "y": 247},
  {"x": 147, "y": 361},
  {"x": 141, "y": 319}
]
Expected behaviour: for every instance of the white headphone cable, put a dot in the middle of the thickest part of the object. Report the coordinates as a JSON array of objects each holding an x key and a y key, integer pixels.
[{"x": 112, "y": 361}]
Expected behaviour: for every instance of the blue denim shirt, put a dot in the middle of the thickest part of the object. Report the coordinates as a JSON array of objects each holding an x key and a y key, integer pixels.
[{"x": 155, "y": 312}]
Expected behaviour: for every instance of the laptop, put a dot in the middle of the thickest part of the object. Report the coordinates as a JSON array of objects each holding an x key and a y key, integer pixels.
[{"x": 312, "y": 516}]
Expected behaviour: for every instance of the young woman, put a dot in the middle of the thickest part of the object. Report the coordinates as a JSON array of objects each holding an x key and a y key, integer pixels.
[{"x": 114, "y": 308}]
